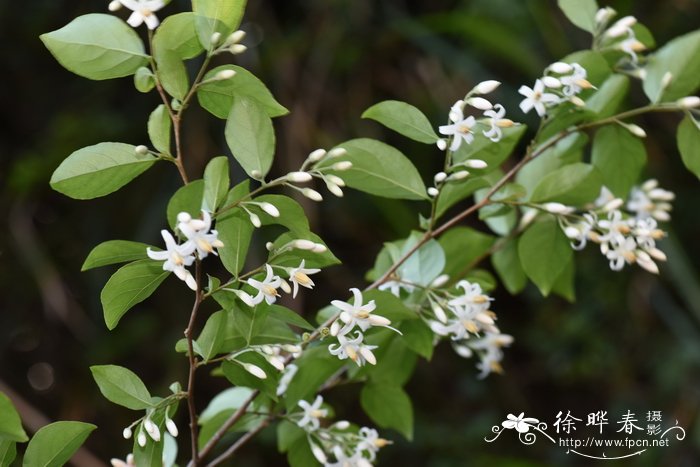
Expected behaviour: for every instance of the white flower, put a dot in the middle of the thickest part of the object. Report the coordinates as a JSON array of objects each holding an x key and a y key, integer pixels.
[
  {"x": 143, "y": 11},
  {"x": 120, "y": 463},
  {"x": 650, "y": 201},
  {"x": 581, "y": 231},
  {"x": 152, "y": 430},
  {"x": 620, "y": 252},
  {"x": 497, "y": 122},
  {"x": 491, "y": 352},
  {"x": 521, "y": 423},
  {"x": 267, "y": 288},
  {"x": 486, "y": 87},
  {"x": 616, "y": 228},
  {"x": 461, "y": 129},
  {"x": 536, "y": 98},
  {"x": 312, "y": 414},
  {"x": 576, "y": 81},
  {"x": 300, "y": 277},
  {"x": 370, "y": 442},
  {"x": 395, "y": 287},
  {"x": 197, "y": 231},
  {"x": 353, "y": 349},
  {"x": 289, "y": 372},
  {"x": 171, "y": 427},
  {"x": 176, "y": 257},
  {"x": 357, "y": 314}
]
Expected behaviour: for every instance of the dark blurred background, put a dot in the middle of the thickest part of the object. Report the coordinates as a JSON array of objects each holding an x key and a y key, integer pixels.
[{"x": 630, "y": 342}]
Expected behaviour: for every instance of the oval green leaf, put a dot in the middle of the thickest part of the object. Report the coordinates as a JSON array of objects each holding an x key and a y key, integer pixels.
[
  {"x": 620, "y": 157},
  {"x": 121, "y": 386},
  {"x": 159, "y": 127},
  {"x": 10, "y": 423},
  {"x": 250, "y": 136},
  {"x": 222, "y": 16},
  {"x": 54, "y": 444},
  {"x": 544, "y": 253},
  {"x": 404, "y": 119},
  {"x": 573, "y": 184},
  {"x": 99, "y": 170},
  {"x": 177, "y": 33},
  {"x": 216, "y": 182},
  {"x": 389, "y": 407},
  {"x": 114, "y": 252},
  {"x": 681, "y": 58},
  {"x": 688, "y": 138}
]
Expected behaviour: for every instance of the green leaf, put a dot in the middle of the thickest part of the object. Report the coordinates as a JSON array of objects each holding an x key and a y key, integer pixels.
[
  {"x": 389, "y": 407},
  {"x": 379, "y": 169},
  {"x": 187, "y": 198},
  {"x": 404, "y": 119},
  {"x": 688, "y": 138},
  {"x": 389, "y": 306},
  {"x": 99, "y": 170},
  {"x": 287, "y": 434},
  {"x": 681, "y": 58},
  {"x": 581, "y": 13},
  {"x": 620, "y": 157},
  {"x": 237, "y": 375},
  {"x": 218, "y": 96},
  {"x": 315, "y": 365},
  {"x": 507, "y": 264},
  {"x": 222, "y": 16},
  {"x": 564, "y": 152},
  {"x": 564, "y": 286},
  {"x": 8, "y": 452},
  {"x": 144, "y": 81},
  {"x": 97, "y": 46},
  {"x": 290, "y": 317},
  {"x": 54, "y": 444},
  {"x": 121, "y": 386},
  {"x": 454, "y": 192},
  {"x": 130, "y": 285},
  {"x": 597, "y": 68},
  {"x": 292, "y": 215},
  {"x": 395, "y": 360},
  {"x": 293, "y": 257},
  {"x": 235, "y": 231},
  {"x": 172, "y": 73},
  {"x": 212, "y": 336},
  {"x": 608, "y": 98},
  {"x": 159, "y": 127},
  {"x": 300, "y": 455},
  {"x": 544, "y": 253},
  {"x": 463, "y": 246},
  {"x": 229, "y": 399},
  {"x": 216, "y": 181},
  {"x": 114, "y": 252},
  {"x": 492, "y": 153},
  {"x": 151, "y": 455},
  {"x": 424, "y": 265},
  {"x": 177, "y": 33},
  {"x": 574, "y": 184},
  {"x": 250, "y": 136},
  {"x": 418, "y": 337},
  {"x": 10, "y": 423}
]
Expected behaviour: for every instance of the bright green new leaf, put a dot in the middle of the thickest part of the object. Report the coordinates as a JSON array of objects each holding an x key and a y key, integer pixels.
[
  {"x": 130, "y": 285},
  {"x": 10, "y": 423},
  {"x": 389, "y": 407},
  {"x": 581, "y": 13},
  {"x": 574, "y": 184},
  {"x": 620, "y": 157},
  {"x": 507, "y": 264},
  {"x": 212, "y": 336},
  {"x": 609, "y": 96},
  {"x": 250, "y": 136},
  {"x": 114, "y": 252},
  {"x": 99, "y": 170},
  {"x": 97, "y": 46},
  {"x": 216, "y": 182},
  {"x": 8, "y": 452},
  {"x": 172, "y": 73},
  {"x": 187, "y": 198},
  {"x": 144, "y": 81},
  {"x": 681, "y": 58},
  {"x": 54, "y": 444},
  {"x": 217, "y": 96},
  {"x": 159, "y": 128},
  {"x": 544, "y": 253},
  {"x": 688, "y": 138},
  {"x": 121, "y": 386},
  {"x": 222, "y": 16},
  {"x": 404, "y": 119},
  {"x": 463, "y": 246},
  {"x": 379, "y": 169},
  {"x": 177, "y": 33}
]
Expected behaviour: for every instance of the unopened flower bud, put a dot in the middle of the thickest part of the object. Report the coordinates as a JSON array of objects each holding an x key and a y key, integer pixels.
[
  {"x": 433, "y": 192},
  {"x": 284, "y": 285},
  {"x": 255, "y": 370},
  {"x": 171, "y": 427},
  {"x": 335, "y": 179},
  {"x": 666, "y": 79},
  {"x": 577, "y": 101},
  {"x": 319, "y": 454},
  {"x": 320, "y": 248},
  {"x": 224, "y": 74},
  {"x": 312, "y": 194},
  {"x": 141, "y": 150},
  {"x": 236, "y": 37},
  {"x": 299, "y": 177},
  {"x": 127, "y": 433},
  {"x": 476, "y": 164},
  {"x": 561, "y": 68},
  {"x": 636, "y": 130},
  {"x": 184, "y": 217},
  {"x": 439, "y": 313},
  {"x": 479, "y": 103},
  {"x": 572, "y": 232},
  {"x": 441, "y": 144},
  {"x": 215, "y": 38},
  {"x": 440, "y": 177},
  {"x": 621, "y": 26},
  {"x": 342, "y": 425},
  {"x": 316, "y": 155},
  {"x": 270, "y": 209},
  {"x": 114, "y": 5},
  {"x": 528, "y": 217},
  {"x": 269, "y": 246},
  {"x": 650, "y": 184},
  {"x": 256, "y": 174},
  {"x": 302, "y": 244},
  {"x": 557, "y": 208},
  {"x": 237, "y": 49},
  {"x": 486, "y": 87},
  {"x": 337, "y": 152},
  {"x": 255, "y": 220},
  {"x": 613, "y": 204},
  {"x": 690, "y": 102},
  {"x": 342, "y": 165},
  {"x": 440, "y": 281},
  {"x": 551, "y": 82},
  {"x": 333, "y": 188},
  {"x": 604, "y": 15},
  {"x": 141, "y": 439},
  {"x": 276, "y": 362}
]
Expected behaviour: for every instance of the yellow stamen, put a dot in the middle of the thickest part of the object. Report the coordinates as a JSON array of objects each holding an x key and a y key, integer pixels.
[
  {"x": 269, "y": 290},
  {"x": 205, "y": 245},
  {"x": 351, "y": 353},
  {"x": 302, "y": 278},
  {"x": 479, "y": 299}
]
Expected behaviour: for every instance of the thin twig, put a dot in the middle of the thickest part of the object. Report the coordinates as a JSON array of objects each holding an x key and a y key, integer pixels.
[
  {"x": 240, "y": 442},
  {"x": 193, "y": 362}
]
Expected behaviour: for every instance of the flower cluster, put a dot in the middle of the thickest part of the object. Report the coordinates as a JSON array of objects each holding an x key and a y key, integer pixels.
[
  {"x": 560, "y": 83},
  {"x": 201, "y": 241},
  {"x": 340, "y": 444},
  {"x": 618, "y": 36},
  {"x": 350, "y": 327},
  {"x": 624, "y": 237},
  {"x": 268, "y": 288},
  {"x": 146, "y": 428},
  {"x": 467, "y": 320},
  {"x": 143, "y": 11}
]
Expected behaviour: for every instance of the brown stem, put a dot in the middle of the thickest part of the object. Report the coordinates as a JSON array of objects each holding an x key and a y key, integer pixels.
[
  {"x": 193, "y": 362},
  {"x": 240, "y": 442}
]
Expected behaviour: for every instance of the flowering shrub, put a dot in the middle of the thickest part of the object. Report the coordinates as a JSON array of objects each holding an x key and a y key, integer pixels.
[{"x": 540, "y": 206}]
